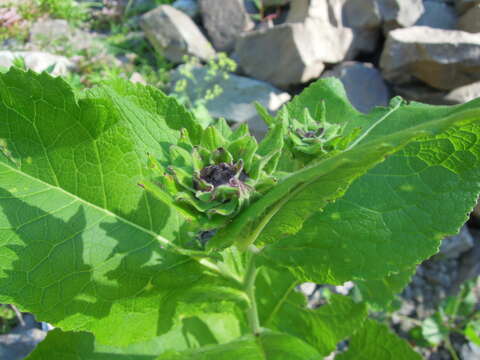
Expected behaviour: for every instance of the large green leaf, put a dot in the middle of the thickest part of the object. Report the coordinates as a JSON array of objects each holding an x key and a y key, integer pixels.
[
  {"x": 393, "y": 217},
  {"x": 267, "y": 346},
  {"x": 374, "y": 341},
  {"x": 81, "y": 245},
  {"x": 283, "y": 309},
  {"x": 189, "y": 333},
  {"x": 379, "y": 293},
  {"x": 283, "y": 210}
]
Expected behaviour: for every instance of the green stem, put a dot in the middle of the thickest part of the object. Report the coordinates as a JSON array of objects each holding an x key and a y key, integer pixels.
[
  {"x": 221, "y": 270},
  {"x": 450, "y": 348},
  {"x": 249, "y": 286}
]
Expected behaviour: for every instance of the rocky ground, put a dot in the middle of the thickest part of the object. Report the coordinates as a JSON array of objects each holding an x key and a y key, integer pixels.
[{"x": 219, "y": 59}]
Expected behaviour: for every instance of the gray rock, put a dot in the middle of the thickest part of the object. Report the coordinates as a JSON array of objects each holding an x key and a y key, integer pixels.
[
  {"x": 174, "y": 34},
  {"x": 468, "y": 264},
  {"x": 283, "y": 55},
  {"x": 332, "y": 41},
  {"x": 364, "y": 17},
  {"x": 225, "y": 22},
  {"x": 463, "y": 5},
  {"x": 362, "y": 14},
  {"x": 443, "y": 59},
  {"x": 363, "y": 83},
  {"x": 331, "y": 44},
  {"x": 17, "y": 344},
  {"x": 399, "y": 13},
  {"x": 453, "y": 246},
  {"x": 189, "y": 7},
  {"x": 237, "y": 100},
  {"x": 270, "y": 3},
  {"x": 327, "y": 10},
  {"x": 470, "y": 351},
  {"x": 300, "y": 10},
  {"x": 438, "y": 15},
  {"x": 336, "y": 12},
  {"x": 337, "y": 28},
  {"x": 58, "y": 34},
  {"x": 463, "y": 94},
  {"x": 49, "y": 30},
  {"x": 422, "y": 93},
  {"x": 307, "y": 288},
  {"x": 470, "y": 21},
  {"x": 37, "y": 61},
  {"x": 137, "y": 78}
]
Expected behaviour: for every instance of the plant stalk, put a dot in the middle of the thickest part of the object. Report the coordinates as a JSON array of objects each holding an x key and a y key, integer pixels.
[
  {"x": 450, "y": 348},
  {"x": 249, "y": 286}
]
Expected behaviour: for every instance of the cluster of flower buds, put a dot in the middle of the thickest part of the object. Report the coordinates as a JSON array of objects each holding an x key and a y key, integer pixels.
[
  {"x": 219, "y": 176},
  {"x": 314, "y": 137}
]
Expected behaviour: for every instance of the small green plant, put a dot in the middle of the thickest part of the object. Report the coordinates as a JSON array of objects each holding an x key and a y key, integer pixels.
[
  {"x": 140, "y": 232},
  {"x": 456, "y": 315},
  {"x": 71, "y": 10},
  {"x": 8, "y": 319},
  {"x": 196, "y": 91}
]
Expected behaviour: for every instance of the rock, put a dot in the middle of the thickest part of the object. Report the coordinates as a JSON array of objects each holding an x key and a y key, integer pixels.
[
  {"x": 336, "y": 27},
  {"x": 336, "y": 12},
  {"x": 468, "y": 264},
  {"x": 189, "y": 7},
  {"x": 470, "y": 351},
  {"x": 422, "y": 93},
  {"x": 49, "y": 30},
  {"x": 17, "y": 344},
  {"x": 362, "y": 14},
  {"x": 58, "y": 34},
  {"x": 270, "y": 3},
  {"x": 443, "y": 59},
  {"x": 307, "y": 288},
  {"x": 363, "y": 83},
  {"x": 364, "y": 17},
  {"x": 345, "y": 288},
  {"x": 37, "y": 61},
  {"x": 453, "y": 246},
  {"x": 237, "y": 100},
  {"x": 174, "y": 34},
  {"x": 331, "y": 44},
  {"x": 470, "y": 21},
  {"x": 464, "y": 94},
  {"x": 300, "y": 10},
  {"x": 283, "y": 55},
  {"x": 137, "y": 78},
  {"x": 224, "y": 23},
  {"x": 332, "y": 40},
  {"x": 438, "y": 15},
  {"x": 399, "y": 13},
  {"x": 463, "y": 5}
]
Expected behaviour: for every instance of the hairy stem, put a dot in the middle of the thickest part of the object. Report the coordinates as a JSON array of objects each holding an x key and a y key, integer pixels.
[{"x": 249, "y": 286}]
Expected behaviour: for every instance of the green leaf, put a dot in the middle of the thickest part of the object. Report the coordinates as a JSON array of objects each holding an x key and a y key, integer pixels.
[
  {"x": 433, "y": 330},
  {"x": 267, "y": 346},
  {"x": 81, "y": 244},
  {"x": 374, "y": 341},
  {"x": 175, "y": 115},
  {"x": 387, "y": 213},
  {"x": 283, "y": 309},
  {"x": 188, "y": 333},
  {"x": 283, "y": 210},
  {"x": 330, "y": 90},
  {"x": 472, "y": 331},
  {"x": 380, "y": 293}
]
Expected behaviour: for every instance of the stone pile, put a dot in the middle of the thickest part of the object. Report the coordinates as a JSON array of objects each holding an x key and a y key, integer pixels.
[{"x": 425, "y": 50}]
